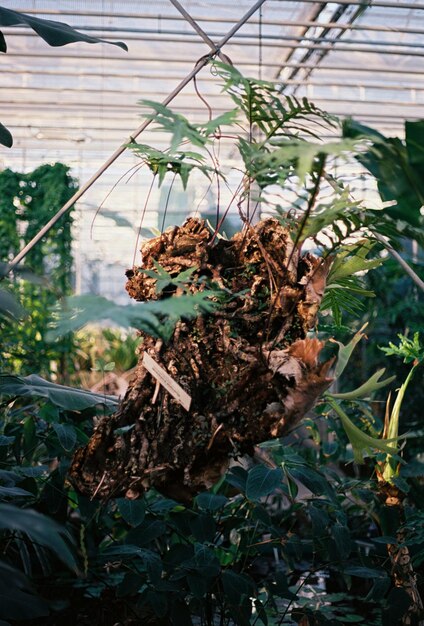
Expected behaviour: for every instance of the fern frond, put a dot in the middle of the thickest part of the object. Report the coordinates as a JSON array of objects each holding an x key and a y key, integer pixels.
[
  {"x": 181, "y": 129},
  {"x": 178, "y": 163},
  {"x": 264, "y": 106},
  {"x": 342, "y": 297}
]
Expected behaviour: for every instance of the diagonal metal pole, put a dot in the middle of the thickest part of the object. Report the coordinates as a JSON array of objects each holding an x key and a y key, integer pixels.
[
  {"x": 199, "y": 65},
  {"x": 198, "y": 30},
  {"x": 404, "y": 265}
]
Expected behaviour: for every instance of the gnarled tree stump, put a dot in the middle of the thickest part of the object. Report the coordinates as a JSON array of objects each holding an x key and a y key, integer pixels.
[{"x": 249, "y": 368}]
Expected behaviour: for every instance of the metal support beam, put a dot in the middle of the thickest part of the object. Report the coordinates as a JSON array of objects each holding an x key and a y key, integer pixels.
[
  {"x": 59, "y": 12},
  {"x": 334, "y": 36},
  {"x": 374, "y": 3},
  {"x": 119, "y": 106},
  {"x": 197, "y": 28},
  {"x": 340, "y": 68},
  {"x": 296, "y": 83},
  {"x": 325, "y": 45},
  {"x": 219, "y": 20},
  {"x": 168, "y": 36}
]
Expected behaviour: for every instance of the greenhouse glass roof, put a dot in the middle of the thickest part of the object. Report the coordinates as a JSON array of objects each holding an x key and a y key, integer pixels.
[{"x": 78, "y": 103}]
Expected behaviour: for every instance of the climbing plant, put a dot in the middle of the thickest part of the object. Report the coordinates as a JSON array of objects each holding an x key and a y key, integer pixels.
[{"x": 27, "y": 202}]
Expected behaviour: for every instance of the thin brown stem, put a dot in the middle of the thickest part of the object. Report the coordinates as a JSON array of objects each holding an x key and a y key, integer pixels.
[{"x": 142, "y": 219}]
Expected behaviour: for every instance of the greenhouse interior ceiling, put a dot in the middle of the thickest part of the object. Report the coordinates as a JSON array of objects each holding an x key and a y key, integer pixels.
[{"x": 77, "y": 104}]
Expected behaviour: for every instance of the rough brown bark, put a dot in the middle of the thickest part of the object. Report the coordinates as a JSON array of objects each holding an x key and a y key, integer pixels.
[
  {"x": 403, "y": 574},
  {"x": 249, "y": 368}
]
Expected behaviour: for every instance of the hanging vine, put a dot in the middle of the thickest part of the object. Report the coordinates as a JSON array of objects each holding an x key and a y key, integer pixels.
[{"x": 27, "y": 202}]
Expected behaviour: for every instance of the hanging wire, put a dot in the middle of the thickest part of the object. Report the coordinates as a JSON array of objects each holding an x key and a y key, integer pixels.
[
  {"x": 165, "y": 210},
  {"x": 143, "y": 213},
  {"x": 260, "y": 44}
]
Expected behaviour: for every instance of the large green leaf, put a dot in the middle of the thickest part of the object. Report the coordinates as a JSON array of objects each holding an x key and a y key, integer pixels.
[
  {"x": 132, "y": 511},
  {"x": 66, "y": 434},
  {"x": 360, "y": 441},
  {"x": 397, "y": 166},
  {"x": 10, "y": 307},
  {"x": 414, "y": 137},
  {"x": 204, "y": 563},
  {"x": 352, "y": 259},
  {"x": 343, "y": 286},
  {"x": 157, "y": 318},
  {"x": 390, "y": 469},
  {"x": 366, "y": 389},
  {"x": 309, "y": 477},
  {"x": 262, "y": 481},
  {"x": 54, "y": 33},
  {"x": 236, "y": 586},
  {"x": 40, "y": 529},
  {"x": 211, "y": 501},
  {"x": 238, "y": 590},
  {"x": 6, "y": 138},
  {"x": 68, "y": 398},
  {"x": 17, "y": 596},
  {"x": 345, "y": 352}
]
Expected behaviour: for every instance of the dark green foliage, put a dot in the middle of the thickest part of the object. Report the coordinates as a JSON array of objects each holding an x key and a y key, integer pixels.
[
  {"x": 397, "y": 166},
  {"x": 27, "y": 202},
  {"x": 269, "y": 545},
  {"x": 67, "y": 398},
  {"x": 5, "y": 135},
  {"x": 54, "y": 33},
  {"x": 398, "y": 308}
]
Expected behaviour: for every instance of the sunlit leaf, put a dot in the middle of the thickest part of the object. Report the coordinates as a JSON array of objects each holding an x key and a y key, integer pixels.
[
  {"x": 366, "y": 389},
  {"x": 360, "y": 441},
  {"x": 345, "y": 352}
]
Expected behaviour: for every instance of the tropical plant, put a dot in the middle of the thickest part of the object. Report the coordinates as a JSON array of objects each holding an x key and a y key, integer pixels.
[
  {"x": 295, "y": 535},
  {"x": 277, "y": 542}
]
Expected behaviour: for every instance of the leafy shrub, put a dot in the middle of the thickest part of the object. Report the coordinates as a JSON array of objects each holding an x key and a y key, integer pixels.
[{"x": 295, "y": 538}]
